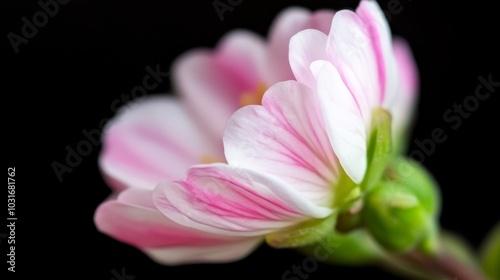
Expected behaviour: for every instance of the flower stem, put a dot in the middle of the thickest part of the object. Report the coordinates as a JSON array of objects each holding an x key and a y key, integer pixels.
[{"x": 445, "y": 264}]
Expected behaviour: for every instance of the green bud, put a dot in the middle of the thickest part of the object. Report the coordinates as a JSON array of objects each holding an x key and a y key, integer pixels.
[
  {"x": 303, "y": 234},
  {"x": 401, "y": 211}
]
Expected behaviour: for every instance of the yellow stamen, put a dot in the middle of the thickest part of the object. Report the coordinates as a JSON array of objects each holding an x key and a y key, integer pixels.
[
  {"x": 253, "y": 97},
  {"x": 206, "y": 159}
]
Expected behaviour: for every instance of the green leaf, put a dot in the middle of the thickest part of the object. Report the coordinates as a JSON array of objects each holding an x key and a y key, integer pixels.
[
  {"x": 490, "y": 254},
  {"x": 379, "y": 148},
  {"x": 303, "y": 234}
]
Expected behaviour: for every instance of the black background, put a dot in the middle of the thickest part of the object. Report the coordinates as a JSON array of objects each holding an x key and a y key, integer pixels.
[{"x": 65, "y": 78}]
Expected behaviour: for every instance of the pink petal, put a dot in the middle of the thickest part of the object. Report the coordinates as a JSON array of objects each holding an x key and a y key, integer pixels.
[
  {"x": 321, "y": 20},
  {"x": 285, "y": 137},
  {"x": 287, "y": 23},
  {"x": 152, "y": 140},
  {"x": 380, "y": 34},
  {"x": 229, "y": 252},
  {"x": 350, "y": 49},
  {"x": 222, "y": 199},
  {"x": 212, "y": 82},
  {"x": 305, "y": 47},
  {"x": 405, "y": 102},
  {"x": 133, "y": 219},
  {"x": 344, "y": 122}
]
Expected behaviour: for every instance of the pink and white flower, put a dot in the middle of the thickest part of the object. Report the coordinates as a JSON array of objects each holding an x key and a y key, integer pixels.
[
  {"x": 302, "y": 137},
  {"x": 161, "y": 137},
  {"x": 355, "y": 69}
]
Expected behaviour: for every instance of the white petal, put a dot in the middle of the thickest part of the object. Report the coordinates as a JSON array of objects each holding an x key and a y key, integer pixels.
[
  {"x": 306, "y": 47},
  {"x": 344, "y": 122},
  {"x": 285, "y": 137}
]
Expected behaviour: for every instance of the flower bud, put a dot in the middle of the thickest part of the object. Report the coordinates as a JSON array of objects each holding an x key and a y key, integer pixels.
[{"x": 401, "y": 210}]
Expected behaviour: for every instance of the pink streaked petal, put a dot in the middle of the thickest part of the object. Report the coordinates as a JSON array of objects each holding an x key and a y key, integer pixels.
[
  {"x": 321, "y": 20},
  {"x": 212, "y": 82},
  {"x": 242, "y": 55},
  {"x": 369, "y": 11},
  {"x": 132, "y": 219},
  {"x": 404, "y": 104},
  {"x": 222, "y": 199},
  {"x": 287, "y": 23},
  {"x": 344, "y": 123},
  {"x": 406, "y": 66},
  {"x": 305, "y": 47},
  {"x": 226, "y": 252},
  {"x": 152, "y": 140},
  {"x": 285, "y": 137},
  {"x": 350, "y": 49}
]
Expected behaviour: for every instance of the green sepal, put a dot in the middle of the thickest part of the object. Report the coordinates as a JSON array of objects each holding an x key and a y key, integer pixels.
[
  {"x": 302, "y": 234},
  {"x": 490, "y": 254},
  {"x": 354, "y": 248},
  {"x": 379, "y": 148}
]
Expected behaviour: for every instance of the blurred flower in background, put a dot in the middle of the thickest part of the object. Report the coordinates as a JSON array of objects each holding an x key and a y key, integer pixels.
[{"x": 161, "y": 137}]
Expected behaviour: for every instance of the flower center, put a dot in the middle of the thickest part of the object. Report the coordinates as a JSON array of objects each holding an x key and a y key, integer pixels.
[
  {"x": 253, "y": 97},
  {"x": 206, "y": 159}
]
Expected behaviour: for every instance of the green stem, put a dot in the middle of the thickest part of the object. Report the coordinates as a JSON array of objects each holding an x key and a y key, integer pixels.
[
  {"x": 446, "y": 265},
  {"x": 402, "y": 267}
]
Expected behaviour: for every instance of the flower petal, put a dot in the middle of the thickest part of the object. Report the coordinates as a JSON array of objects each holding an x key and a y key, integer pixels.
[
  {"x": 212, "y": 82},
  {"x": 321, "y": 20},
  {"x": 344, "y": 122},
  {"x": 404, "y": 104},
  {"x": 305, "y": 47},
  {"x": 380, "y": 34},
  {"x": 285, "y": 137},
  {"x": 133, "y": 219},
  {"x": 152, "y": 140},
  {"x": 229, "y": 252},
  {"x": 222, "y": 199},
  {"x": 406, "y": 66},
  {"x": 350, "y": 49},
  {"x": 287, "y": 23}
]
